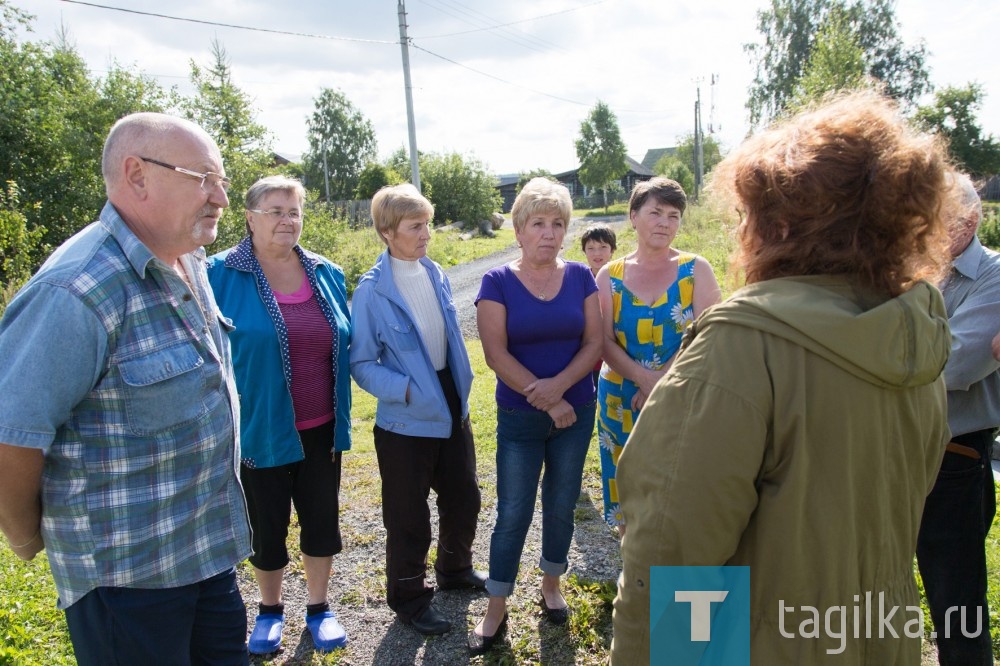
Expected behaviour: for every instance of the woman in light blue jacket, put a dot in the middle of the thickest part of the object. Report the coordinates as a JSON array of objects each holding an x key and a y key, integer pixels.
[{"x": 407, "y": 350}]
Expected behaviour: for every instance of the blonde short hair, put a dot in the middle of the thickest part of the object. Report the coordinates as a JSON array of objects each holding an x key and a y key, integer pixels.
[
  {"x": 541, "y": 195},
  {"x": 395, "y": 203}
]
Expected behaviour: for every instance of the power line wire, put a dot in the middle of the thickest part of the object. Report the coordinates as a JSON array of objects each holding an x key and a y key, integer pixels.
[
  {"x": 496, "y": 78},
  {"x": 504, "y": 25},
  {"x": 352, "y": 39},
  {"x": 524, "y": 40},
  {"x": 230, "y": 25},
  {"x": 518, "y": 85}
]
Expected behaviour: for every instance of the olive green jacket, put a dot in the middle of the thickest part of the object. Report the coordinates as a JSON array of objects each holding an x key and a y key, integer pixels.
[{"x": 798, "y": 433}]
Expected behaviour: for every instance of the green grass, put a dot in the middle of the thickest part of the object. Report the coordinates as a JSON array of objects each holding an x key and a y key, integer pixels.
[
  {"x": 620, "y": 208},
  {"x": 33, "y": 632}
]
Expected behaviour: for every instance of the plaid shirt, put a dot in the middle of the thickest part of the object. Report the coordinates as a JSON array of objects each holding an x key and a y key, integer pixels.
[{"x": 112, "y": 367}]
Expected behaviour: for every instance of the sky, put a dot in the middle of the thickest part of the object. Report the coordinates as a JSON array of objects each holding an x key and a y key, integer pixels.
[{"x": 512, "y": 97}]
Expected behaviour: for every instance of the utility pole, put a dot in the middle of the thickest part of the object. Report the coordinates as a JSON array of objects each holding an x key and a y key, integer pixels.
[
  {"x": 712, "y": 127},
  {"x": 699, "y": 155},
  {"x": 326, "y": 172},
  {"x": 410, "y": 124}
]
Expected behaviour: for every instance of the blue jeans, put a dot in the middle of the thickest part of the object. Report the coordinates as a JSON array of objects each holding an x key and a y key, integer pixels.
[
  {"x": 203, "y": 623},
  {"x": 951, "y": 553},
  {"x": 527, "y": 440}
]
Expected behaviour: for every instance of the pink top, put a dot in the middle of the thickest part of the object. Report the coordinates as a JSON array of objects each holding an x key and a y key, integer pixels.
[{"x": 309, "y": 343}]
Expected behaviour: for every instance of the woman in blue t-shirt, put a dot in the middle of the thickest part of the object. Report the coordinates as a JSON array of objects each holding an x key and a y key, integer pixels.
[{"x": 540, "y": 326}]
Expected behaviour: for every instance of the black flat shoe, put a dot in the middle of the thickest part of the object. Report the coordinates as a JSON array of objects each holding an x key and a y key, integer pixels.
[
  {"x": 472, "y": 580},
  {"x": 430, "y": 623},
  {"x": 555, "y": 615},
  {"x": 483, "y": 644}
]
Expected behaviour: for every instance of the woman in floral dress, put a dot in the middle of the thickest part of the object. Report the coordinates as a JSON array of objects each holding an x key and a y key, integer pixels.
[{"x": 647, "y": 300}]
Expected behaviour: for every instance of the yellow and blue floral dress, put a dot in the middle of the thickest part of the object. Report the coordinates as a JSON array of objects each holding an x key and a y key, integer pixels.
[{"x": 651, "y": 334}]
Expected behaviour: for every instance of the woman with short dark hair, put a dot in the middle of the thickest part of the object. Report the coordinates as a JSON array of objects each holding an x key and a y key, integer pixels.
[{"x": 648, "y": 299}]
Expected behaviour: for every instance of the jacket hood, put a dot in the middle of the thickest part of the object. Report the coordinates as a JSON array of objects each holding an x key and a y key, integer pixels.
[{"x": 898, "y": 342}]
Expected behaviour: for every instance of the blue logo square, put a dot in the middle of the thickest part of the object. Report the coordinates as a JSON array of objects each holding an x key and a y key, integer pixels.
[{"x": 699, "y": 616}]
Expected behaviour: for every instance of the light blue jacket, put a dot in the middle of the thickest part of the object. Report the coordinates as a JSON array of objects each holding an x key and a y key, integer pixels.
[
  {"x": 260, "y": 352},
  {"x": 388, "y": 354}
]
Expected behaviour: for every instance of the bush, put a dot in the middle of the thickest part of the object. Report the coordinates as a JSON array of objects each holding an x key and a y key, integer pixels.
[
  {"x": 461, "y": 188},
  {"x": 373, "y": 178},
  {"x": 989, "y": 230}
]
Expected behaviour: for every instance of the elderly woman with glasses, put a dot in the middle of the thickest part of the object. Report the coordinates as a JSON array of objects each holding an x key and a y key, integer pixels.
[{"x": 290, "y": 352}]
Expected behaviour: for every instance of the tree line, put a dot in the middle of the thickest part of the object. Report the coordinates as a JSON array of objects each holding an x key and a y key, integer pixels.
[{"x": 56, "y": 115}]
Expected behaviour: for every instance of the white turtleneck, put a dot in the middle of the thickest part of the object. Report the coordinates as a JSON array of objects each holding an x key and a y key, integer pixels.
[{"x": 414, "y": 284}]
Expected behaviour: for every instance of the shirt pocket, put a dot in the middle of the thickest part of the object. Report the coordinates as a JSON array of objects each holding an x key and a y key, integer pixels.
[
  {"x": 403, "y": 336},
  {"x": 164, "y": 388}
]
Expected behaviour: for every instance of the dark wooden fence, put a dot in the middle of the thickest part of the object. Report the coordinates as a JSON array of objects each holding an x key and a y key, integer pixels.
[{"x": 358, "y": 213}]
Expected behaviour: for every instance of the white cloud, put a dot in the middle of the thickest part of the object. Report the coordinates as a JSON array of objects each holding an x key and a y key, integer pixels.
[{"x": 644, "y": 58}]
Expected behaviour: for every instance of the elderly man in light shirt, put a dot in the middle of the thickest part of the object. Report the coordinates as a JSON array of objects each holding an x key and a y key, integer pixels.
[{"x": 951, "y": 548}]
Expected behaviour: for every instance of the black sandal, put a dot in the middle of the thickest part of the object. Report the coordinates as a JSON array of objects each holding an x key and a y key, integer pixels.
[{"x": 479, "y": 644}]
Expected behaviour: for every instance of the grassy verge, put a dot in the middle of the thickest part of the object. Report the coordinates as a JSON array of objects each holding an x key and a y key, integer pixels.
[
  {"x": 355, "y": 250},
  {"x": 33, "y": 632}
]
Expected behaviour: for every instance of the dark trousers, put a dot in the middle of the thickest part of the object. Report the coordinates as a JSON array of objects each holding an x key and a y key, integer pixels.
[
  {"x": 203, "y": 623},
  {"x": 312, "y": 485},
  {"x": 951, "y": 552},
  {"x": 410, "y": 467}
]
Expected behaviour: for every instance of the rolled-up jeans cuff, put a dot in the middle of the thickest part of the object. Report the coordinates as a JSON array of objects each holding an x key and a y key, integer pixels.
[
  {"x": 496, "y": 588},
  {"x": 552, "y": 568}
]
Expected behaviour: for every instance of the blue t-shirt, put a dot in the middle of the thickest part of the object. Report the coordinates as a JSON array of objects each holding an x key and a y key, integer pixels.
[{"x": 543, "y": 336}]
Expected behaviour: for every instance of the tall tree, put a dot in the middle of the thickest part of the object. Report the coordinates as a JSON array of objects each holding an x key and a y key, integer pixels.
[
  {"x": 19, "y": 245},
  {"x": 124, "y": 90},
  {"x": 374, "y": 177},
  {"x": 523, "y": 178},
  {"x": 953, "y": 115},
  {"x": 601, "y": 150},
  {"x": 836, "y": 61},
  {"x": 341, "y": 142},
  {"x": 54, "y": 122},
  {"x": 789, "y": 29},
  {"x": 227, "y": 114}
]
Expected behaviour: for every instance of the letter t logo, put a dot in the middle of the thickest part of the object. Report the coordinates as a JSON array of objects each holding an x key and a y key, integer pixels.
[{"x": 701, "y": 610}]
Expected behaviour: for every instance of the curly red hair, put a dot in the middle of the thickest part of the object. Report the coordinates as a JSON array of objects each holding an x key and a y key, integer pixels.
[{"x": 847, "y": 187}]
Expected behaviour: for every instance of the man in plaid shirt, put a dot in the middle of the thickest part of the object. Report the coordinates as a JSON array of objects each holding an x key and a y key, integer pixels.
[{"x": 119, "y": 419}]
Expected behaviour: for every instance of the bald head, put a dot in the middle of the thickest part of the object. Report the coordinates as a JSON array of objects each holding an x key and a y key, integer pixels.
[
  {"x": 970, "y": 213},
  {"x": 142, "y": 134},
  {"x": 971, "y": 203}
]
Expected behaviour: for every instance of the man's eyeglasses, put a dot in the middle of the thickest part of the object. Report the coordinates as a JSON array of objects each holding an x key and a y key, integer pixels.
[
  {"x": 209, "y": 180},
  {"x": 292, "y": 215}
]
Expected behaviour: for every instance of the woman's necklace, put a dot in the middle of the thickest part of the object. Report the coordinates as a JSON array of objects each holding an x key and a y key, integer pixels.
[{"x": 545, "y": 286}]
